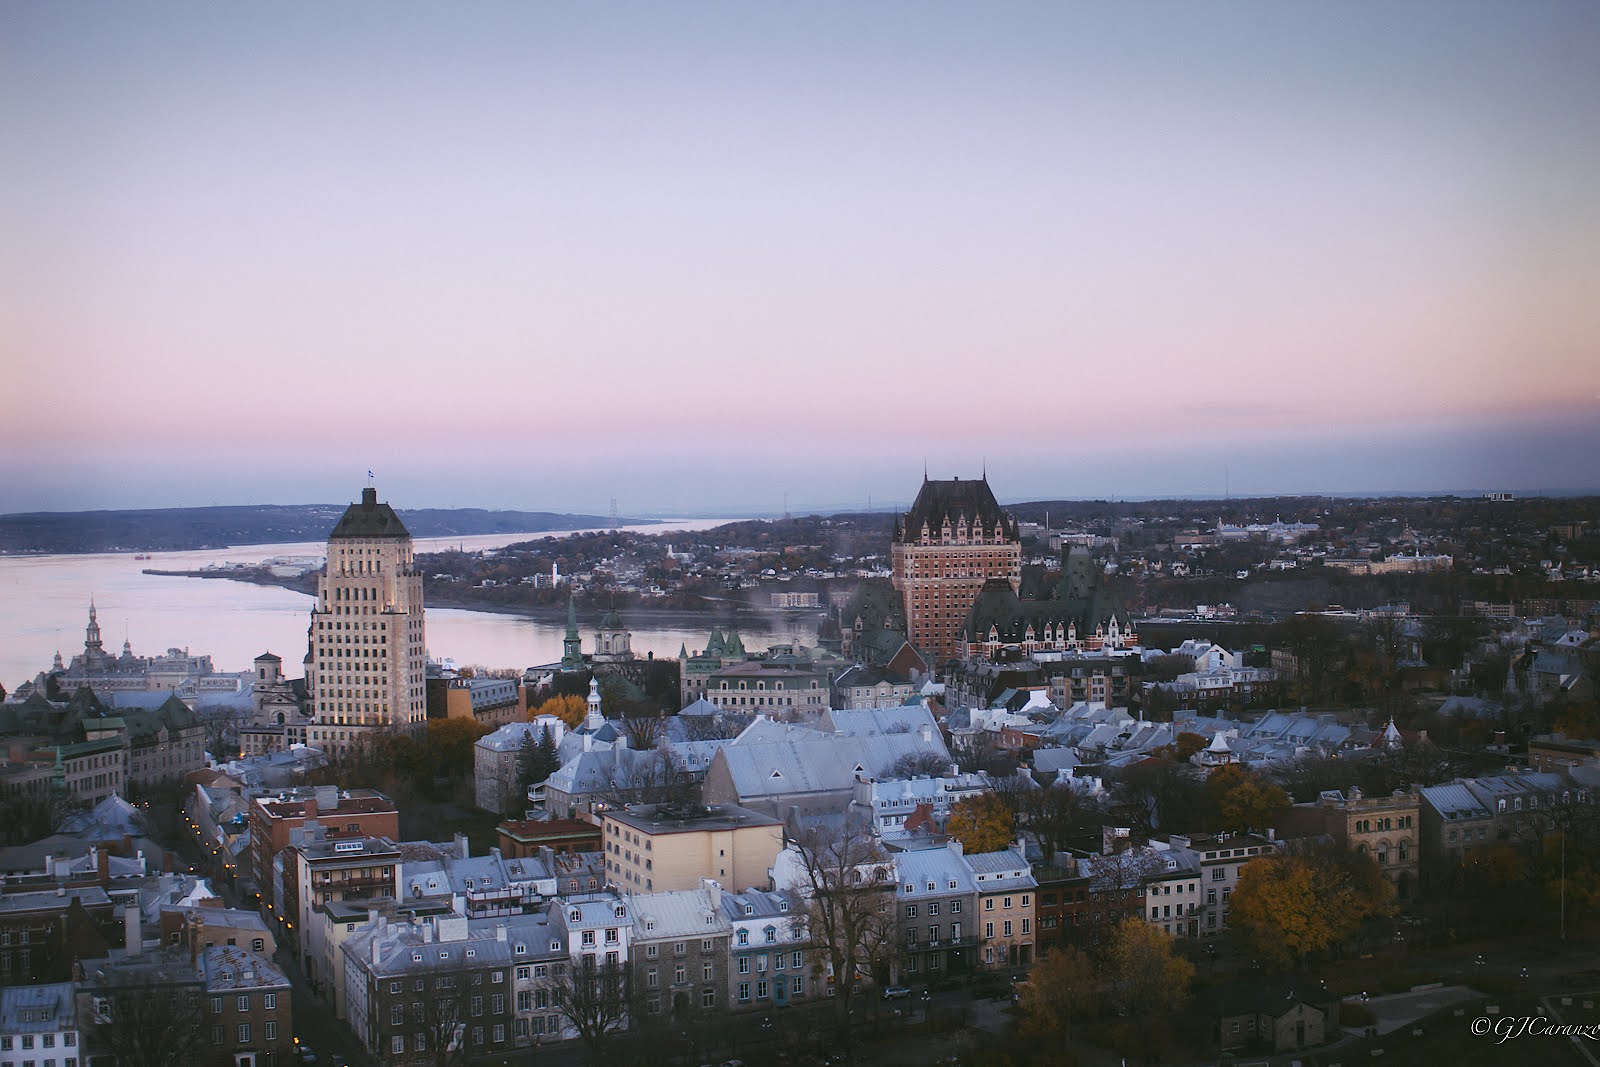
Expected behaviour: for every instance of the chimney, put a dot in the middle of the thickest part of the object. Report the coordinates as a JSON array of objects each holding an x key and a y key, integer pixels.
[
  {"x": 197, "y": 930},
  {"x": 714, "y": 890},
  {"x": 132, "y": 936},
  {"x": 377, "y": 951},
  {"x": 500, "y": 932},
  {"x": 309, "y": 809},
  {"x": 927, "y": 733},
  {"x": 1272, "y": 834},
  {"x": 955, "y": 846},
  {"x": 463, "y": 849}
]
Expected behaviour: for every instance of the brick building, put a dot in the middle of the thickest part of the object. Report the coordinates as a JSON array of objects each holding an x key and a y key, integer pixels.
[
  {"x": 953, "y": 540},
  {"x": 353, "y": 812}
]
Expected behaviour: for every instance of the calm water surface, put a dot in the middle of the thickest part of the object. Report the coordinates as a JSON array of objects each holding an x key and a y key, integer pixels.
[{"x": 44, "y": 606}]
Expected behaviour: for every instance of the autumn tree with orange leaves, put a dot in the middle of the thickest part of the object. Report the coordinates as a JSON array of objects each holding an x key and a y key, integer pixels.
[
  {"x": 1289, "y": 907},
  {"x": 1244, "y": 800},
  {"x": 982, "y": 823},
  {"x": 568, "y": 708}
]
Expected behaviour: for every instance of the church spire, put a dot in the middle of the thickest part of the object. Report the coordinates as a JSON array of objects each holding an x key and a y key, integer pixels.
[
  {"x": 572, "y": 644},
  {"x": 91, "y": 635}
]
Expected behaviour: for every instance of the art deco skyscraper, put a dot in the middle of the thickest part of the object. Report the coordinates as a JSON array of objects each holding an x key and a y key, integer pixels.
[{"x": 367, "y": 645}]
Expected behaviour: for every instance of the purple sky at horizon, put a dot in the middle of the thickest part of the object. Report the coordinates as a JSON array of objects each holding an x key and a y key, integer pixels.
[{"x": 701, "y": 257}]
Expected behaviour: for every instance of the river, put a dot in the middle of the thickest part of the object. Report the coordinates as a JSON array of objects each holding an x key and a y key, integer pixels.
[{"x": 44, "y": 607}]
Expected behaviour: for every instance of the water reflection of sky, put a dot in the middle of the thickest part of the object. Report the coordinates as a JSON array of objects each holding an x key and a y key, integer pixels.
[{"x": 44, "y": 604}]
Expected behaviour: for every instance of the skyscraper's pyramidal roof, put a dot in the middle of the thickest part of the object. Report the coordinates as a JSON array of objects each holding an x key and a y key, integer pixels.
[{"x": 370, "y": 519}]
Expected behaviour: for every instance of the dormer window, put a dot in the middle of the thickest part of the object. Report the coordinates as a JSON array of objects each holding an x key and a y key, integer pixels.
[
  {"x": 783, "y": 905},
  {"x": 749, "y": 909},
  {"x": 575, "y": 915}
]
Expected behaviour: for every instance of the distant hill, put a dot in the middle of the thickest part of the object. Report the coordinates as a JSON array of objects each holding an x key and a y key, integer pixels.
[{"x": 186, "y": 529}]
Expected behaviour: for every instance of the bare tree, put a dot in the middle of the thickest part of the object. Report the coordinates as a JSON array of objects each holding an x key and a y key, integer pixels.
[
  {"x": 148, "y": 1026},
  {"x": 222, "y": 731},
  {"x": 642, "y": 724},
  {"x": 912, "y": 764},
  {"x": 849, "y": 911},
  {"x": 595, "y": 999},
  {"x": 712, "y": 727},
  {"x": 441, "y": 1014},
  {"x": 654, "y": 776},
  {"x": 1056, "y": 814},
  {"x": 979, "y": 750}
]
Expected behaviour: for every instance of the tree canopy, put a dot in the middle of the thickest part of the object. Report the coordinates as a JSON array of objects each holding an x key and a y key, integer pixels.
[
  {"x": 1061, "y": 984},
  {"x": 567, "y": 707},
  {"x": 1143, "y": 975},
  {"x": 1287, "y": 907},
  {"x": 1244, "y": 800},
  {"x": 982, "y": 823}
]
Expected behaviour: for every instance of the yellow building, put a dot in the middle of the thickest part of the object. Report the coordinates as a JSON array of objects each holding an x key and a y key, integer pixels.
[
  {"x": 655, "y": 848},
  {"x": 1005, "y": 886}
]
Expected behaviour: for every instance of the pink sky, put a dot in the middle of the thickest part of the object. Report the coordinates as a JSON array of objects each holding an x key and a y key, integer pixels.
[{"x": 703, "y": 257}]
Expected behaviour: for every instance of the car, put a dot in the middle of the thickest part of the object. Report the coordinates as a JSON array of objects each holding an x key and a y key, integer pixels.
[{"x": 895, "y": 992}]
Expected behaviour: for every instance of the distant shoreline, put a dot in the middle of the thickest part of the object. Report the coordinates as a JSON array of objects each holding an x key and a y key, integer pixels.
[
  {"x": 713, "y": 612},
  {"x": 203, "y": 529}
]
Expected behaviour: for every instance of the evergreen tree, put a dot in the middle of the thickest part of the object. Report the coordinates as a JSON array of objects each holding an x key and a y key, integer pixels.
[{"x": 537, "y": 760}]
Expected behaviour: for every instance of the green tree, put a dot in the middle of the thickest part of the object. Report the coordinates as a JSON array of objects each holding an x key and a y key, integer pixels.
[
  {"x": 982, "y": 823},
  {"x": 536, "y": 760},
  {"x": 1288, "y": 907}
]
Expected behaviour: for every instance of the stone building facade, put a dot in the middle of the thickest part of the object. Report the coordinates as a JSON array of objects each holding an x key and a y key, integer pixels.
[{"x": 368, "y": 650}]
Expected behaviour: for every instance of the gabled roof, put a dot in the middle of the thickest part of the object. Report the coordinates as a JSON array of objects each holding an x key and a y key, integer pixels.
[
  {"x": 800, "y": 760},
  {"x": 678, "y": 914},
  {"x": 996, "y": 872},
  {"x": 1453, "y": 800}
]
